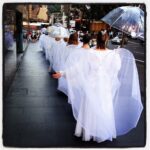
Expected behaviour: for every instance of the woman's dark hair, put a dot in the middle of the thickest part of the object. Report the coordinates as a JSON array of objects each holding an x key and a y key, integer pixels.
[
  {"x": 73, "y": 39},
  {"x": 86, "y": 39},
  {"x": 102, "y": 37},
  {"x": 66, "y": 39}
]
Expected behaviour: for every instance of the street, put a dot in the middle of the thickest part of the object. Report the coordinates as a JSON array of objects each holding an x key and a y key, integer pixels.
[{"x": 137, "y": 48}]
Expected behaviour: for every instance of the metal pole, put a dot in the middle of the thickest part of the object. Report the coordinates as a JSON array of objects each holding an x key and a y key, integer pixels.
[
  {"x": 123, "y": 38},
  {"x": 28, "y": 22},
  {"x": 68, "y": 19}
]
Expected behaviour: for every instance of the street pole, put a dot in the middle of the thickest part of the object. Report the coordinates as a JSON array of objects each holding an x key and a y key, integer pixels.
[
  {"x": 28, "y": 23},
  {"x": 123, "y": 38},
  {"x": 68, "y": 14}
]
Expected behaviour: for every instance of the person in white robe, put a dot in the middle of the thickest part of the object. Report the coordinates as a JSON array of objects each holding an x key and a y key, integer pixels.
[
  {"x": 54, "y": 56},
  {"x": 72, "y": 47},
  {"x": 61, "y": 50},
  {"x": 47, "y": 44},
  {"x": 103, "y": 90},
  {"x": 42, "y": 38}
]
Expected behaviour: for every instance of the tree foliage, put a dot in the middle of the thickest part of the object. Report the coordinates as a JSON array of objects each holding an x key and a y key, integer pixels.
[
  {"x": 53, "y": 8},
  {"x": 97, "y": 11}
]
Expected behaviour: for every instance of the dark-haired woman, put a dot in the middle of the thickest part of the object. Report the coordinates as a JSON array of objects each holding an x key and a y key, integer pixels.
[
  {"x": 71, "y": 46},
  {"x": 103, "y": 90},
  {"x": 76, "y": 52}
]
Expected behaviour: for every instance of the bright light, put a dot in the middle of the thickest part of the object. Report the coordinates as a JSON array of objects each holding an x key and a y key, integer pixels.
[{"x": 133, "y": 34}]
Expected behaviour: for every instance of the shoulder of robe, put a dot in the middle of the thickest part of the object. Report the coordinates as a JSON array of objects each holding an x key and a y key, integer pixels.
[
  {"x": 124, "y": 53},
  {"x": 77, "y": 53},
  {"x": 127, "y": 62}
]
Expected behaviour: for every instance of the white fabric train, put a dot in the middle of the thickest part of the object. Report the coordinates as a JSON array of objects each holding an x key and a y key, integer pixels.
[
  {"x": 102, "y": 88},
  {"x": 103, "y": 92}
]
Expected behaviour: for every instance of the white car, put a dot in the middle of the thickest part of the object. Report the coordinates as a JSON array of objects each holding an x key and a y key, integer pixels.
[
  {"x": 118, "y": 39},
  {"x": 141, "y": 36},
  {"x": 71, "y": 31}
]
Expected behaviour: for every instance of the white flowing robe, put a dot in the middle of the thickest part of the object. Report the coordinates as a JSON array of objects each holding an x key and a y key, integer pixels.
[
  {"x": 66, "y": 51},
  {"x": 104, "y": 95},
  {"x": 41, "y": 41},
  {"x": 56, "y": 55},
  {"x": 127, "y": 101},
  {"x": 47, "y": 44}
]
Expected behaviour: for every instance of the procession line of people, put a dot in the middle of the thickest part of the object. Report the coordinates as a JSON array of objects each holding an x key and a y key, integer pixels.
[{"x": 102, "y": 85}]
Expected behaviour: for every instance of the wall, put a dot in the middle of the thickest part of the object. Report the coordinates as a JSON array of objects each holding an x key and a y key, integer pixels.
[
  {"x": 97, "y": 26},
  {"x": 12, "y": 52}
]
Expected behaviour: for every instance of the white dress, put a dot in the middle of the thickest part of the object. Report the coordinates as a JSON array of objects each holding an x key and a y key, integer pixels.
[
  {"x": 47, "y": 44},
  {"x": 41, "y": 41},
  {"x": 68, "y": 50},
  {"x": 95, "y": 89},
  {"x": 127, "y": 101},
  {"x": 55, "y": 54}
]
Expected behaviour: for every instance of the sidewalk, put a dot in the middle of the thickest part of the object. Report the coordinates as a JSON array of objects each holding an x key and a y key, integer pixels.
[{"x": 37, "y": 115}]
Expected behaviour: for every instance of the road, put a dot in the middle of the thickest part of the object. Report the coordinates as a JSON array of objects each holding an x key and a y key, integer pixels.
[{"x": 137, "y": 48}]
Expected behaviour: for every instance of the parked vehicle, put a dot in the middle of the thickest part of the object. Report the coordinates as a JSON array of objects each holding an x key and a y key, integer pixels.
[
  {"x": 71, "y": 30},
  {"x": 141, "y": 39},
  {"x": 92, "y": 43},
  {"x": 118, "y": 39}
]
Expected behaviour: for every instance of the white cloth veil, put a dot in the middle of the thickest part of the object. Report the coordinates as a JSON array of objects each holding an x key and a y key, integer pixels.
[
  {"x": 47, "y": 44},
  {"x": 127, "y": 101},
  {"x": 87, "y": 96},
  {"x": 62, "y": 85},
  {"x": 41, "y": 41},
  {"x": 103, "y": 108}
]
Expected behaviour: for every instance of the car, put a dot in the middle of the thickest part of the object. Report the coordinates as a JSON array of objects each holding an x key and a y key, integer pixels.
[
  {"x": 118, "y": 39},
  {"x": 92, "y": 43},
  {"x": 141, "y": 36},
  {"x": 141, "y": 39},
  {"x": 71, "y": 30}
]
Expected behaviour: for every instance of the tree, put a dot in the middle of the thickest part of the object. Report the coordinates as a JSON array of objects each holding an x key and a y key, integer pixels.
[{"x": 53, "y": 8}]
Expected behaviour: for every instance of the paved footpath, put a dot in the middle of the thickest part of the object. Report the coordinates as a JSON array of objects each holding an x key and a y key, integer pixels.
[{"x": 37, "y": 115}]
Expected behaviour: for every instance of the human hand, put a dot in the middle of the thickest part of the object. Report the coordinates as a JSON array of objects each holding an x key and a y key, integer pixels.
[{"x": 56, "y": 75}]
